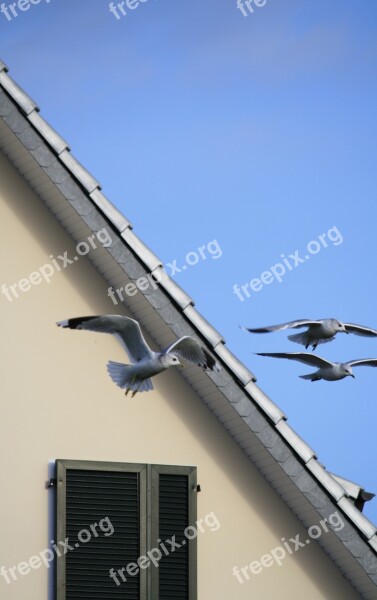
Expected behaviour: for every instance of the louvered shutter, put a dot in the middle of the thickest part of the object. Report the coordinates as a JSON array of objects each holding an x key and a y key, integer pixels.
[
  {"x": 173, "y": 520},
  {"x": 87, "y": 493},
  {"x": 90, "y": 497},
  {"x": 174, "y": 496}
]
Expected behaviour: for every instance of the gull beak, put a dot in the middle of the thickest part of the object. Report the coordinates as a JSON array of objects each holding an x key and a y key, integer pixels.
[
  {"x": 345, "y": 330},
  {"x": 181, "y": 366}
]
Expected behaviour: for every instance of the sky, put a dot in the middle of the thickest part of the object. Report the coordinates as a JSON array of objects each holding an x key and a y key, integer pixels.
[{"x": 252, "y": 138}]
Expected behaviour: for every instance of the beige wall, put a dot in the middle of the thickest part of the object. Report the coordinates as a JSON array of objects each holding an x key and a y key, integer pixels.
[{"x": 57, "y": 401}]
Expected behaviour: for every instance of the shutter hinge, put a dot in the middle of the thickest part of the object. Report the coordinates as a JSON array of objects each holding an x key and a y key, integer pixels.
[
  {"x": 198, "y": 488},
  {"x": 51, "y": 483}
]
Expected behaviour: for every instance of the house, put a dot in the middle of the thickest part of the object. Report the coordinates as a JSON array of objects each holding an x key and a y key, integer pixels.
[{"x": 198, "y": 489}]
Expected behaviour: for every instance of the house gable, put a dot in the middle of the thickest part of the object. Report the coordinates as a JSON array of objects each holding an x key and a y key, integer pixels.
[{"x": 254, "y": 422}]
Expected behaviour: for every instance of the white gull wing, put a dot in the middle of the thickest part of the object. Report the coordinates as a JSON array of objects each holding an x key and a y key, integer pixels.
[
  {"x": 125, "y": 329},
  {"x": 360, "y": 330},
  {"x": 290, "y": 325},
  {"x": 188, "y": 348},
  {"x": 304, "y": 357},
  {"x": 363, "y": 362}
]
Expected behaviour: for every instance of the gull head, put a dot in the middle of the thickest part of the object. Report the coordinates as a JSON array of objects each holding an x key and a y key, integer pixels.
[
  {"x": 339, "y": 326},
  {"x": 347, "y": 370},
  {"x": 170, "y": 360}
]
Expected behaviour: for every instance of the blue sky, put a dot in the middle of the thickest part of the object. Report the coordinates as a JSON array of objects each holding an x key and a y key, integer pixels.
[{"x": 258, "y": 132}]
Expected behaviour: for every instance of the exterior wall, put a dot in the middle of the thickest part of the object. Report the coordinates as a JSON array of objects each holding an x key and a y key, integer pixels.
[{"x": 57, "y": 401}]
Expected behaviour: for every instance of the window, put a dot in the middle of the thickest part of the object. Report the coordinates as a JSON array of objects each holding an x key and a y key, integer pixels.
[{"x": 125, "y": 531}]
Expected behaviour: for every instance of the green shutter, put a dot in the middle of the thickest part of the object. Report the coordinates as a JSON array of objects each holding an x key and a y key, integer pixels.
[
  {"x": 90, "y": 497},
  {"x": 174, "y": 502},
  {"x": 145, "y": 505},
  {"x": 88, "y": 492}
]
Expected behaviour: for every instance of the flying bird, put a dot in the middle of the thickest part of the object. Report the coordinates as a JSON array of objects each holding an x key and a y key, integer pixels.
[
  {"x": 330, "y": 371},
  {"x": 146, "y": 363},
  {"x": 318, "y": 332}
]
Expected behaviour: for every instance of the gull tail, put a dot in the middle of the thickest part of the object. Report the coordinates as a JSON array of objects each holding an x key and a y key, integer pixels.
[
  {"x": 306, "y": 340},
  {"x": 310, "y": 377},
  {"x": 300, "y": 338},
  {"x": 125, "y": 377}
]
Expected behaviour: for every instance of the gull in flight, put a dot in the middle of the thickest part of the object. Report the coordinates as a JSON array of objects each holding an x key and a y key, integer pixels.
[
  {"x": 326, "y": 370},
  {"x": 318, "y": 332},
  {"x": 145, "y": 363}
]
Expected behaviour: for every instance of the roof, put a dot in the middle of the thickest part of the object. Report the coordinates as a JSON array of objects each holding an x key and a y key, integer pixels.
[
  {"x": 258, "y": 426},
  {"x": 354, "y": 491}
]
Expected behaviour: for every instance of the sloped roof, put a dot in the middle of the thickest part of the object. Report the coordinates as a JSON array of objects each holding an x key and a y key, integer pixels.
[
  {"x": 258, "y": 426},
  {"x": 354, "y": 491}
]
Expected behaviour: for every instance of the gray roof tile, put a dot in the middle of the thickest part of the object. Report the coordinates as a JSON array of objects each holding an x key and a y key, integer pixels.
[
  {"x": 328, "y": 482},
  {"x": 355, "y": 515},
  {"x": 24, "y": 101},
  {"x": 264, "y": 402},
  {"x": 108, "y": 209},
  {"x": 49, "y": 134},
  {"x": 141, "y": 250},
  {"x": 295, "y": 441},
  {"x": 373, "y": 542},
  {"x": 239, "y": 369},
  {"x": 173, "y": 289},
  {"x": 202, "y": 325},
  {"x": 81, "y": 174}
]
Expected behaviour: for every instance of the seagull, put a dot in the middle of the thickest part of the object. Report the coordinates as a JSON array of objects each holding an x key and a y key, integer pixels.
[
  {"x": 145, "y": 363},
  {"x": 330, "y": 371},
  {"x": 318, "y": 332}
]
